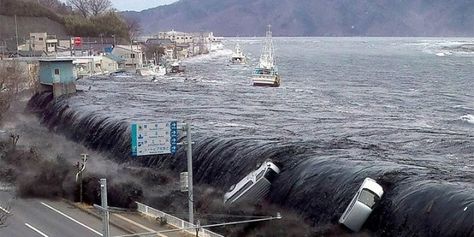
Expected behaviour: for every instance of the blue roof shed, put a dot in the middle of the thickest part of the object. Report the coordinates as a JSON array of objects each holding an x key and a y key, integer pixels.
[{"x": 56, "y": 71}]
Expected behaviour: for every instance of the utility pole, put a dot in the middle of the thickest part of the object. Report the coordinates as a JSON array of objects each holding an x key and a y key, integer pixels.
[
  {"x": 132, "y": 55},
  {"x": 189, "y": 154},
  {"x": 16, "y": 33},
  {"x": 105, "y": 207},
  {"x": 81, "y": 166}
]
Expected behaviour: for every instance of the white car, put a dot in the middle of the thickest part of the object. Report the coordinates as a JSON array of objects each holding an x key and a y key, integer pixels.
[
  {"x": 253, "y": 187},
  {"x": 368, "y": 195}
]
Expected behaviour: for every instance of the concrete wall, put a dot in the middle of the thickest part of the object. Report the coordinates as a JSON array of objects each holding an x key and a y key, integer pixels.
[{"x": 60, "y": 89}]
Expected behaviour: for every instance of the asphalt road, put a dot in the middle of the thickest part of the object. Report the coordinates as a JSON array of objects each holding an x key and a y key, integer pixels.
[{"x": 45, "y": 218}]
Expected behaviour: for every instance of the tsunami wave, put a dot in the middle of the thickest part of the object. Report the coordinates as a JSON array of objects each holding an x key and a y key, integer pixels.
[{"x": 318, "y": 177}]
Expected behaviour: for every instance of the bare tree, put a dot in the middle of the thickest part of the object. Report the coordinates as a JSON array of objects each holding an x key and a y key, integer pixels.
[
  {"x": 98, "y": 7},
  {"x": 51, "y": 4},
  {"x": 11, "y": 82},
  {"x": 82, "y": 6},
  {"x": 133, "y": 28}
]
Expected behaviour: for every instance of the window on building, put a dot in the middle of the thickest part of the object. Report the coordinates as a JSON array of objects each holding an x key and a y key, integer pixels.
[
  {"x": 56, "y": 71},
  {"x": 40, "y": 39},
  {"x": 132, "y": 55}
]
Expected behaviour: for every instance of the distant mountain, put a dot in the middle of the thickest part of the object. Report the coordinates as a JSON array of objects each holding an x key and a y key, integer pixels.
[{"x": 313, "y": 17}]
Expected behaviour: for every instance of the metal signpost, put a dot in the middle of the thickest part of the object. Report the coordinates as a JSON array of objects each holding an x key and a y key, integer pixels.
[
  {"x": 104, "y": 208},
  {"x": 162, "y": 138}
]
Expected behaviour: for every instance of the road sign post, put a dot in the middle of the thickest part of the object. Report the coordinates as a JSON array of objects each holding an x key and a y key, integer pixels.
[{"x": 162, "y": 138}]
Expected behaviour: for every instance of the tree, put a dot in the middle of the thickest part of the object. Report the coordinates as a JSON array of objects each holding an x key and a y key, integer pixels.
[
  {"x": 91, "y": 7},
  {"x": 55, "y": 5},
  {"x": 133, "y": 28},
  {"x": 98, "y": 7},
  {"x": 154, "y": 52},
  {"x": 82, "y": 6},
  {"x": 12, "y": 80}
]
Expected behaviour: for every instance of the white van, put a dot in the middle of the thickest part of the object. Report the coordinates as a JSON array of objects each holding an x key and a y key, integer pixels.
[
  {"x": 253, "y": 187},
  {"x": 368, "y": 195}
]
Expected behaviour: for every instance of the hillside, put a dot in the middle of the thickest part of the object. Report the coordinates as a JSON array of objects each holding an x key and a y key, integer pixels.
[
  {"x": 314, "y": 17},
  {"x": 31, "y": 17},
  {"x": 27, "y": 25}
]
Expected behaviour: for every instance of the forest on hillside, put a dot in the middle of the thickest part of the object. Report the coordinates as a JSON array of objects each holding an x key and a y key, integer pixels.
[{"x": 77, "y": 19}]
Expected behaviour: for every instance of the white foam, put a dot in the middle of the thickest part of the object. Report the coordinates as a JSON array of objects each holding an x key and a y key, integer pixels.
[
  {"x": 210, "y": 56},
  {"x": 469, "y": 118}
]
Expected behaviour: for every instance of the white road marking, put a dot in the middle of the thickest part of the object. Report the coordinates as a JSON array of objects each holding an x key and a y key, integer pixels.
[
  {"x": 36, "y": 230},
  {"x": 70, "y": 218},
  {"x": 4, "y": 210}
]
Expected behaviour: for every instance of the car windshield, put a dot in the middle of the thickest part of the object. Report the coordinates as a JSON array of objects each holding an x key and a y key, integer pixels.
[{"x": 368, "y": 198}]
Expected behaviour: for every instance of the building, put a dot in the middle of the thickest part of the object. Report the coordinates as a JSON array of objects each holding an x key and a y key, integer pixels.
[
  {"x": 112, "y": 63},
  {"x": 132, "y": 54},
  {"x": 57, "y": 75},
  {"x": 43, "y": 42},
  {"x": 37, "y": 41},
  {"x": 176, "y": 36}
]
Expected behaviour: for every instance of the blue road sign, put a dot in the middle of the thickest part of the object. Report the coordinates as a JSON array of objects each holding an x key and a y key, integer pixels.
[{"x": 154, "y": 138}]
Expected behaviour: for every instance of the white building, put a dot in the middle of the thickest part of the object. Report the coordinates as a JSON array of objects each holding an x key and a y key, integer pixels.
[
  {"x": 90, "y": 65},
  {"x": 133, "y": 55},
  {"x": 176, "y": 36}
]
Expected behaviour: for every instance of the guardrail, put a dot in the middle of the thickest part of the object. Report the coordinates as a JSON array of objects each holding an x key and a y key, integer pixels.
[{"x": 174, "y": 221}]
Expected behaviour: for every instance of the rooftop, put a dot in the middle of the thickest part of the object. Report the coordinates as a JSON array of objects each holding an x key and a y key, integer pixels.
[{"x": 55, "y": 60}]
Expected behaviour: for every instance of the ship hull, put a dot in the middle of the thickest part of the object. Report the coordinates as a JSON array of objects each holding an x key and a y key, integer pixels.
[{"x": 268, "y": 81}]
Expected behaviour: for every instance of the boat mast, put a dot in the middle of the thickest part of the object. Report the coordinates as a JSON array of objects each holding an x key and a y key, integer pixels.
[{"x": 266, "y": 59}]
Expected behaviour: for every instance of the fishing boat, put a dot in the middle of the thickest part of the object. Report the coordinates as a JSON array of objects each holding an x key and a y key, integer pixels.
[
  {"x": 266, "y": 73},
  {"x": 238, "y": 56},
  {"x": 177, "y": 67},
  {"x": 253, "y": 187}
]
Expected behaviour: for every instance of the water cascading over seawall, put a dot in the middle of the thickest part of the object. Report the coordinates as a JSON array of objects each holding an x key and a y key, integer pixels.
[{"x": 318, "y": 177}]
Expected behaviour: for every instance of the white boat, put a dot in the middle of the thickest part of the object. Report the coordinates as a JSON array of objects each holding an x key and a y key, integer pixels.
[
  {"x": 253, "y": 187},
  {"x": 151, "y": 70},
  {"x": 177, "y": 67},
  {"x": 266, "y": 73},
  {"x": 238, "y": 56}
]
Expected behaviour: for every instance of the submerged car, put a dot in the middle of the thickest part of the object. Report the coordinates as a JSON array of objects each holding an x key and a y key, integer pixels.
[
  {"x": 362, "y": 204},
  {"x": 253, "y": 187}
]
